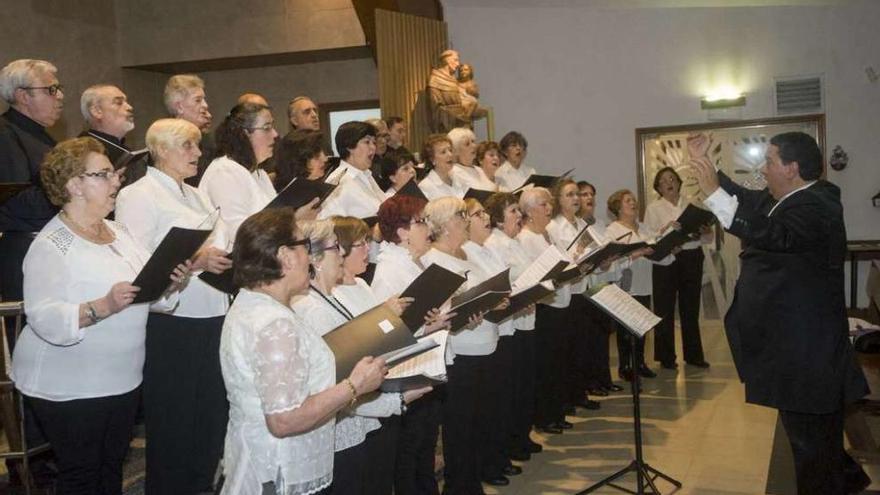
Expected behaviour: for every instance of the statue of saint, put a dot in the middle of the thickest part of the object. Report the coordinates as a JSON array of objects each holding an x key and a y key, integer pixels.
[{"x": 453, "y": 99}]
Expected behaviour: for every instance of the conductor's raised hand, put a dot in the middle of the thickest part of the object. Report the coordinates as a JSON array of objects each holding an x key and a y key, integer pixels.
[
  {"x": 707, "y": 176},
  {"x": 698, "y": 145},
  {"x": 368, "y": 374},
  {"x": 120, "y": 296}
]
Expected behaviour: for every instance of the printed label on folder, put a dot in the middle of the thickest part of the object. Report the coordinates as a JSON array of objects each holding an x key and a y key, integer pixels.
[{"x": 386, "y": 326}]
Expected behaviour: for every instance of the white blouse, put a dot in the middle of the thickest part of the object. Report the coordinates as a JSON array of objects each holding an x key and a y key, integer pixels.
[
  {"x": 55, "y": 359},
  {"x": 492, "y": 264},
  {"x": 479, "y": 341},
  {"x": 661, "y": 212},
  {"x": 511, "y": 178},
  {"x": 271, "y": 364},
  {"x": 352, "y": 425},
  {"x": 356, "y": 194},
  {"x": 640, "y": 284},
  {"x": 473, "y": 178},
  {"x": 508, "y": 248},
  {"x": 562, "y": 232},
  {"x": 433, "y": 186},
  {"x": 238, "y": 192},
  {"x": 154, "y": 204},
  {"x": 395, "y": 270},
  {"x": 535, "y": 244}
]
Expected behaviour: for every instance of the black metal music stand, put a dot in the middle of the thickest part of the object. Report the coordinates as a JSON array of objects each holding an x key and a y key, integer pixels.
[{"x": 645, "y": 474}]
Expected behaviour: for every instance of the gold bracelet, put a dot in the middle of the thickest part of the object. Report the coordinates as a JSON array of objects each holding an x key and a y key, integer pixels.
[{"x": 354, "y": 392}]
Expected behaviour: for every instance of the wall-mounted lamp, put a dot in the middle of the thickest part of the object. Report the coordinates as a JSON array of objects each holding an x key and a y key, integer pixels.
[{"x": 709, "y": 103}]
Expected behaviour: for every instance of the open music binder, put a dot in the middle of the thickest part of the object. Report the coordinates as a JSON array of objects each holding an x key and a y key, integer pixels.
[
  {"x": 426, "y": 369},
  {"x": 378, "y": 333},
  {"x": 177, "y": 246},
  {"x": 429, "y": 290},
  {"x": 129, "y": 157},
  {"x": 480, "y": 298},
  {"x": 520, "y": 300},
  {"x": 625, "y": 309},
  {"x": 691, "y": 220},
  {"x": 299, "y": 192}
]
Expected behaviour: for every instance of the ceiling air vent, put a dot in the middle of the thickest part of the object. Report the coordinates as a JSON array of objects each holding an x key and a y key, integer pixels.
[{"x": 799, "y": 95}]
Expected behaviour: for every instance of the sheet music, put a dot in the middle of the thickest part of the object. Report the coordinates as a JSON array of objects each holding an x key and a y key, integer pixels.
[
  {"x": 430, "y": 363},
  {"x": 539, "y": 268},
  {"x": 626, "y": 309}
]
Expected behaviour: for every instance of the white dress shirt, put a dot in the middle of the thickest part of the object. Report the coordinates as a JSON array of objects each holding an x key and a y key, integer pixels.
[
  {"x": 641, "y": 267},
  {"x": 352, "y": 425},
  {"x": 492, "y": 264},
  {"x": 433, "y": 186},
  {"x": 55, "y": 359},
  {"x": 356, "y": 194},
  {"x": 535, "y": 244},
  {"x": 510, "y": 178},
  {"x": 724, "y": 205},
  {"x": 479, "y": 341},
  {"x": 238, "y": 192},
  {"x": 659, "y": 214},
  {"x": 271, "y": 364},
  {"x": 509, "y": 249},
  {"x": 154, "y": 204},
  {"x": 562, "y": 232}
]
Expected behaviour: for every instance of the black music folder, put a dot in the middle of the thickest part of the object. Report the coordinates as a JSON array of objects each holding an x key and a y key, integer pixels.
[
  {"x": 129, "y": 157},
  {"x": 377, "y": 333},
  {"x": 413, "y": 382},
  {"x": 546, "y": 181},
  {"x": 480, "y": 195},
  {"x": 299, "y": 192},
  {"x": 10, "y": 189},
  {"x": 412, "y": 190},
  {"x": 429, "y": 290},
  {"x": 693, "y": 218},
  {"x": 222, "y": 281},
  {"x": 481, "y": 298},
  {"x": 611, "y": 250},
  {"x": 519, "y": 302},
  {"x": 663, "y": 247},
  {"x": 177, "y": 246}
]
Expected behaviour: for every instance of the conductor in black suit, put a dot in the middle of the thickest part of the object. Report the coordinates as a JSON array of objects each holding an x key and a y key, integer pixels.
[{"x": 787, "y": 326}]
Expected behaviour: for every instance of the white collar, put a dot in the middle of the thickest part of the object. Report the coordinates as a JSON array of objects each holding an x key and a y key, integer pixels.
[
  {"x": 808, "y": 184},
  {"x": 166, "y": 181}
]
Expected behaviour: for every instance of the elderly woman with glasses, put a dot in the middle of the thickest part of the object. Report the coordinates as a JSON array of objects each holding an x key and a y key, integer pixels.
[
  {"x": 280, "y": 375},
  {"x": 185, "y": 408},
  {"x": 79, "y": 360},
  {"x": 234, "y": 181},
  {"x": 329, "y": 304},
  {"x": 464, "y": 418}
]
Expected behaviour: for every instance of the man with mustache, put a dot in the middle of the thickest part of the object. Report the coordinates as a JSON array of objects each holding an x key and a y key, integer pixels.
[
  {"x": 35, "y": 99},
  {"x": 185, "y": 99},
  {"x": 110, "y": 117}
]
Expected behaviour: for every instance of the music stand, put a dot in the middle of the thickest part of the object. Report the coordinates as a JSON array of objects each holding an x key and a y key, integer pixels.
[{"x": 644, "y": 472}]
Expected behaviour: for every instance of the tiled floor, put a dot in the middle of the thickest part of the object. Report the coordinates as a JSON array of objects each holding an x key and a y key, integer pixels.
[{"x": 696, "y": 426}]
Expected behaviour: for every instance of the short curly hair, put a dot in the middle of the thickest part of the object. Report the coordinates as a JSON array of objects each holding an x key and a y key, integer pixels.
[
  {"x": 349, "y": 230},
  {"x": 440, "y": 211},
  {"x": 255, "y": 253},
  {"x": 497, "y": 203},
  {"x": 397, "y": 212},
  {"x": 64, "y": 162},
  {"x": 616, "y": 200}
]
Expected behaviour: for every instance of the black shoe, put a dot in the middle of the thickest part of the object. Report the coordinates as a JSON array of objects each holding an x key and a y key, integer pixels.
[
  {"x": 669, "y": 365},
  {"x": 588, "y": 404},
  {"x": 551, "y": 428},
  {"x": 520, "y": 456},
  {"x": 533, "y": 447},
  {"x": 565, "y": 425},
  {"x": 598, "y": 392},
  {"x": 497, "y": 481},
  {"x": 511, "y": 470},
  {"x": 699, "y": 364},
  {"x": 646, "y": 372},
  {"x": 615, "y": 388}
]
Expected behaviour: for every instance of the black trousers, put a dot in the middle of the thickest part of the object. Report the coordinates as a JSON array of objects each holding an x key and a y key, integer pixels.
[
  {"x": 522, "y": 413},
  {"x": 624, "y": 347},
  {"x": 90, "y": 438},
  {"x": 417, "y": 443},
  {"x": 498, "y": 390},
  {"x": 349, "y": 470},
  {"x": 463, "y": 418},
  {"x": 817, "y": 446},
  {"x": 551, "y": 362},
  {"x": 597, "y": 329},
  {"x": 578, "y": 353},
  {"x": 682, "y": 280},
  {"x": 368, "y": 467},
  {"x": 185, "y": 407}
]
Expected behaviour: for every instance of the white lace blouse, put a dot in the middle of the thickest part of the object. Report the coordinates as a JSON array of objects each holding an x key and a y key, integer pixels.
[
  {"x": 271, "y": 364},
  {"x": 352, "y": 425}
]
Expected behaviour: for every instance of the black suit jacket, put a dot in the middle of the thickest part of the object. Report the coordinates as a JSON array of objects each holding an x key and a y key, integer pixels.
[
  {"x": 23, "y": 145},
  {"x": 787, "y": 325}
]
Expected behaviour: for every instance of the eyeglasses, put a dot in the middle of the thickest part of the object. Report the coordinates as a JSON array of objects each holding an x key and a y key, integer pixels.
[
  {"x": 103, "y": 174},
  {"x": 307, "y": 243},
  {"x": 268, "y": 126},
  {"x": 478, "y": 213},
  {"x": 463, "y": 214},
  {"x": 52, "y": 90},
  {"x": 418, "y": 221},
  {"x": 332, "y": 247}
]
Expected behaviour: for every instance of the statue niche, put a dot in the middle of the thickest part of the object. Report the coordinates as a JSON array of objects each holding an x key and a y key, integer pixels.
[{"x": 454, "y": 97}]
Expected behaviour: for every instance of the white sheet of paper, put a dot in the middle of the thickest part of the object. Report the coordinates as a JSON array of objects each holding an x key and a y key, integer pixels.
[
  {"x": 539, "y": 268},
  {"x": 625, "y": 308},
  {"x": 430, "y": 363}
]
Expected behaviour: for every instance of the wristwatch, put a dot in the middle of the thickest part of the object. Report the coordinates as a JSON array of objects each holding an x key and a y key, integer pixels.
[
  {"x": 91, "y": 313},
  {"x": 402, "y": 404}
]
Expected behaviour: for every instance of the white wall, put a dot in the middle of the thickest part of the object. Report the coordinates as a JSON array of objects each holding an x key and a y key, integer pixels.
[{"x": 578, "y": 77}]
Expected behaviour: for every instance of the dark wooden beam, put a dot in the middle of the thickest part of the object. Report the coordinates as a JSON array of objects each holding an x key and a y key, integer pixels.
[{"x": 257, "y": 61}]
